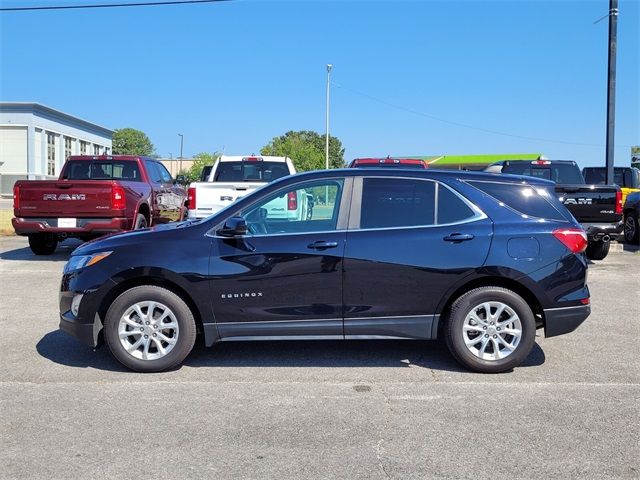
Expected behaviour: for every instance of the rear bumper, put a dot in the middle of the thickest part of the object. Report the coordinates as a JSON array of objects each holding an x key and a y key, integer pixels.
[
  {"x": 85, "y": 226},
  {"x": 558, "y": 321},
  {"x": 595, "y": 231}
]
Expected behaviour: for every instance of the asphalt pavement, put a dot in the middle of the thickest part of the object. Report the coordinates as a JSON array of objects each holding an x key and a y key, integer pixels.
[{"x": 298, "y": 410}]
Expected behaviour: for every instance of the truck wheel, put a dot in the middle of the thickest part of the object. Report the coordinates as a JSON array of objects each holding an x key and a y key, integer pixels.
[
  {"x": 149, "y": 329},
  {"x": 631, "y": 228},
  {"x": 490, "y": 329},
  {"x": 43, "y": 243},
  {"x": 597, "y": 250},
  {"x": 141, "y": 222}
]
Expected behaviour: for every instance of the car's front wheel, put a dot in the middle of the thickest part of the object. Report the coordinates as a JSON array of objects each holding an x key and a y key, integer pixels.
[
  {"x": 490, "y": 329},
  {"x": 149, "y": 329}
]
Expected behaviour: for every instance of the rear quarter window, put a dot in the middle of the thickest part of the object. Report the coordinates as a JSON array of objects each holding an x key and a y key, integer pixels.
[{"x": 525, "y": 199}]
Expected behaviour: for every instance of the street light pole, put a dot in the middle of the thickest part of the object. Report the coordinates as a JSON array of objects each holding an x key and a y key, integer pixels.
[
  {"x": 326, "y": 139},
  {"x": 611, "y": 88},
  {"x": 181, "y": 143},
  {"x": 326, "y": 146}
]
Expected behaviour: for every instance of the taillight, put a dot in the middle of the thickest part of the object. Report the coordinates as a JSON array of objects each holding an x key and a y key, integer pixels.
[
  {"x": 573, "y": 238},
  {"x": 118, "y": 200},
  {"x": 618, "y": 202},
  {"x": 292, "y": 201},
  {"x": 16, "y": 197},
  {"x": 191, "y": 198}
]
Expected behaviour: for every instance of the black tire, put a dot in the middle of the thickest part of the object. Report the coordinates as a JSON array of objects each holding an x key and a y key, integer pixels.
[
  {"x": 631, "y": 228},
  {"x": 455, "y": 335},
  {"x": 597, "y": 250},
  {"x": 43, "y": 243},
  {"x": 184, "y": 317},
  {"x": 141, "y": 222}
]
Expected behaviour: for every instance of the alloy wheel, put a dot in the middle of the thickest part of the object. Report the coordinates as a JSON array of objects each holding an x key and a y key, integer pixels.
[
  {"x": 148, "y": 330},
  {"x": 492, "y": 330},
  {"x": 629, "y": 228}
]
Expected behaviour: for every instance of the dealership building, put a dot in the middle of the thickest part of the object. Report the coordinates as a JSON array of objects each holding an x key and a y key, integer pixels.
[{"x": 36, "y": 140}]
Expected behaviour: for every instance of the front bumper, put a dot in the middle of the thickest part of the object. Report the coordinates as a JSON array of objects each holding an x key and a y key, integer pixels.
[
  {"x": 558, "y": 321},
  {"x": 82, "y": 327},
  {"x": 85, "y": 226}
]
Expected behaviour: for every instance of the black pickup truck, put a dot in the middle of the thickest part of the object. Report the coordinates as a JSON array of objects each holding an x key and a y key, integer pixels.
[{"x": 598, "y": 208}]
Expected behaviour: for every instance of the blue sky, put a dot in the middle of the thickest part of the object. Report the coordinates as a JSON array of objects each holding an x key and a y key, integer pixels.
[{"x": 233, "y": 75}]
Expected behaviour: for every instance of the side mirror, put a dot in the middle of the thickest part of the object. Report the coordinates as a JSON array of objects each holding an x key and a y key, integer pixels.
[
  {"x": 234, "y": 227},
  {"x": 180, "y": 179}
]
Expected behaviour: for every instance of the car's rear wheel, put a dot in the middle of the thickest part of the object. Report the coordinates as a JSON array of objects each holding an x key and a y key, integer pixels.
[
  {"x": 43, "y": 243},
  {"x": 490, "y": 329},
  {"x": 631, "y": 228},
  {"x": 149, "y": 329},
  {"x": 598, "y": 250},
  {"x": 141, "y": 222}
]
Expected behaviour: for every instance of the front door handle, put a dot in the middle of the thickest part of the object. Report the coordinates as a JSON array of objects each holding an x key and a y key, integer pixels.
[
  {"x": 458, "y": 237},
  {"x": 322, "y": 245}
]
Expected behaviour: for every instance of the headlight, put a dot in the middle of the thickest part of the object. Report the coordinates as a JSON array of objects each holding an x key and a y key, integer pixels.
[{"x": 76, "y": 262}]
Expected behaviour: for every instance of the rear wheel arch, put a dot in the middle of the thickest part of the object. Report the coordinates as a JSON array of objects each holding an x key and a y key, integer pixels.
[
  {"x": 143, "y": 209},
  {"x": 492, "y": 281}
]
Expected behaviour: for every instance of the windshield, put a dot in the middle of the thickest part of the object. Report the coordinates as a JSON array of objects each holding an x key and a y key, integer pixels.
[
  {"x": 250, "y": 171},
  {"x": 563, "y": 173},
  {"x": 102, "y": 170}
]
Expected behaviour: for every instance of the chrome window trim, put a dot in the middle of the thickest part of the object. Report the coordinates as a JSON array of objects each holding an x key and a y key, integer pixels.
[{"x": 250, "y": 235}]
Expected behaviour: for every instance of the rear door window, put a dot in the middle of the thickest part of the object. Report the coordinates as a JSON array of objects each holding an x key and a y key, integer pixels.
[
  {"x": 153, "y": 171},
  {"x": 523, "y": 198},
  {"x": 451, "y": 208},
  {"x": 397, "y": 202}
]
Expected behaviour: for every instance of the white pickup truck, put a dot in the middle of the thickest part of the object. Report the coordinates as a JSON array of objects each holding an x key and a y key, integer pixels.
[{"x": 232, "y": 177}]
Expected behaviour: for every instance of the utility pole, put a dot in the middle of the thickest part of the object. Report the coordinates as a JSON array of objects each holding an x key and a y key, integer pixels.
[
  {"x": 326, "y": 140},
  {"x": 181, "y": 143},
  {"x": 611, "y": 88}
]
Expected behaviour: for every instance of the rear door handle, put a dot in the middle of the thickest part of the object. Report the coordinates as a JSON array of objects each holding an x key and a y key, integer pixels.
[
  {"x": 322, "y": 245},
  {"x": 458, "y": 237}
]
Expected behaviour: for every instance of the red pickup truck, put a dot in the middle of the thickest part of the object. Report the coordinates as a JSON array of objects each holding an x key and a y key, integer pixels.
[{"x": 95, "y": 195}]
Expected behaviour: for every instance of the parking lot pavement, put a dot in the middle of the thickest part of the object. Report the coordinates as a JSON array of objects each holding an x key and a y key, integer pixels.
[{"x": 317, "y": 409}]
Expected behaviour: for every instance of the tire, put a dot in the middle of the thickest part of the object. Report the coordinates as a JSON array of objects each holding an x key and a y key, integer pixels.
[
  {"x": 631, "y": 228},
  {"x": 43, "y": 243},
  {"x": 598, "y": 250},
  {"x": 141, "y": 222},
  {"x": 122, "y": 317},
  {"x": 482, "y": 356}
]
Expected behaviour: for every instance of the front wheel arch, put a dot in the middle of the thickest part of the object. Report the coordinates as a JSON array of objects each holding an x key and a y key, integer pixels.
[{"x": 122, "y": 287}]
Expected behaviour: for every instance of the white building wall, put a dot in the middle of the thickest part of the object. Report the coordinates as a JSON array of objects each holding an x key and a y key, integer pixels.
[
  {"x": 25, "y": 153},
  {"x": 13, "y": 148}
]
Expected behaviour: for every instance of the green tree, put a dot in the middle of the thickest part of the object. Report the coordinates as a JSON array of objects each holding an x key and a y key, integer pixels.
[
  {"x": 201, "y": 160},
  {"x": 306, "y": 149},
  {"x": 129, "y": 141}
]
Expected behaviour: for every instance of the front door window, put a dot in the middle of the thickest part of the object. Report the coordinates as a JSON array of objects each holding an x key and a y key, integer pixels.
[{"x": 307, "y": 208}]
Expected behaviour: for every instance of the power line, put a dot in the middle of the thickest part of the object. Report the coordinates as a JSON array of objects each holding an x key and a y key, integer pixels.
[
  {"x": 106, "y": 5},
  {"x": 464, "y": 125}
]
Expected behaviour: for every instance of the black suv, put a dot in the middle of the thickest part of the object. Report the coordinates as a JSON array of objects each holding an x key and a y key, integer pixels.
[{"x": 480, "y": 260}]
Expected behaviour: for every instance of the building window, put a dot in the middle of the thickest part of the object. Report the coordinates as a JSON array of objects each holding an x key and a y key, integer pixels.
[
  {"x": 67, "y": 147},
  {"x": 51, "y": 154},
  {"x": 83, "y": 147},
  {"x": 96, "y": 149}
]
